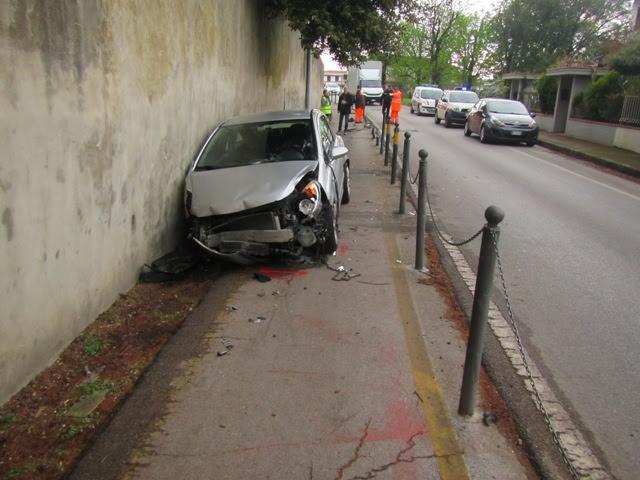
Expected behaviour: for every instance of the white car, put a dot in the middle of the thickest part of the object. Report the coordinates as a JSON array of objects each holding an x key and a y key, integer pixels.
[
  {"x": 454, "y": 106},
  {"x": 424, "y": 100}
]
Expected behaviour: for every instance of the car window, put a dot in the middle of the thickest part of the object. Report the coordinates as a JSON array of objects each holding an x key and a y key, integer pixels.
[
  {"x": 507, "y": 106},
  {"x": 254, "y": 143},
  {"x": 464, "y": 97},
  {"x": 431, "y": 94},
  {"x": 326, "y": 135}
]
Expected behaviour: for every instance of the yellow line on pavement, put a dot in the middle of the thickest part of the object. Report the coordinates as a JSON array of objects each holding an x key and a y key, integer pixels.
[{"x": 445, "y": 444}]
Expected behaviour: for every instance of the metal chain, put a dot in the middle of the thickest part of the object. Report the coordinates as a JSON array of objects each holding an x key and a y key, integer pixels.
[
  {"x": 435, "y": 224},
  {"x": 537, "y": 398}
]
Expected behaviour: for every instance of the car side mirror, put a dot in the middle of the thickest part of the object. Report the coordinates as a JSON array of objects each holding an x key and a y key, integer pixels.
[
  {"x": 532, "y": 114},
  {"x": 338, "y": 152},
  {"x": 443, "y": 100}
]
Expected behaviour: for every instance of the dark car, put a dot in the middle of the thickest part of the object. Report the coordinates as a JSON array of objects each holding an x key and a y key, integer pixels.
[{"x": 500, "y": 120}]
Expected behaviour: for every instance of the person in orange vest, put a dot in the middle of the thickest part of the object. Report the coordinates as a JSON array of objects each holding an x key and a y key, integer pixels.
[
  {"x": 396, "y": 104},
  {"x": 360, "y": 103}
]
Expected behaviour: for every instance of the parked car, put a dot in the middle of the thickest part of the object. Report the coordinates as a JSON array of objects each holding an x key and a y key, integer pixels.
[
  {"x": 333, "y": 87},
  {"x": 269, "y": 184},
  {"x": 424, "y": 100},
  {"x": 500, "y": 120},
  {"x": 454, "y": 106}
]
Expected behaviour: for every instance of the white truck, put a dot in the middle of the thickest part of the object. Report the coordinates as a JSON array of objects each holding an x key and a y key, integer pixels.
[{"x": 368, "y": 76}]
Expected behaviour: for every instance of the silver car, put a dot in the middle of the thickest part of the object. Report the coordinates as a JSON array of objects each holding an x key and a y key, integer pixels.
[{"x": 269, "y": 184}]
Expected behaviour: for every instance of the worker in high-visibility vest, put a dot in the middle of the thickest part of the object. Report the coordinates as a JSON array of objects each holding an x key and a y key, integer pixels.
[
  {"x": 396, "y": 104},
  {"x": 325, "y": 104}
]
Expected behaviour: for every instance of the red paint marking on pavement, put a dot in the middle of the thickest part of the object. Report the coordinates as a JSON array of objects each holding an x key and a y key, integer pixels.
[
  {"x": 283, "y": 273},
  {"x": 405, "y": 471},
  {"x": 343, "y": 249},
  {"x": 401, "y": 422}
]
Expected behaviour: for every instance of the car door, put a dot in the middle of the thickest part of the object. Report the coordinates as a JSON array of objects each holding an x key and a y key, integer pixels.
[
  {"x": 332, "y": 171},
  {"x": 441, "y": 107},
  {"x": 475, "y": 117}
]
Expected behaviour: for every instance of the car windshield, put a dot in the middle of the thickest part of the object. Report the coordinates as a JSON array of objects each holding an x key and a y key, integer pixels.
[
  {"x": 506, "y": 106},
  {"x": 255, "y": 143},
  {"x": 431, "y": 94},
  {"x": 332, "y": 85},
  {"x": 370, "y": 84},
  {"x": 463, "y": 97}
]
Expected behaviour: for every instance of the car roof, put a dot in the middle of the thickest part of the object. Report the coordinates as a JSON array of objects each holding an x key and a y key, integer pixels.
[
  {"x": 277, "y": 115},
  {"x": 428, "y": 88},
  {"x": 496, "y": 99}
]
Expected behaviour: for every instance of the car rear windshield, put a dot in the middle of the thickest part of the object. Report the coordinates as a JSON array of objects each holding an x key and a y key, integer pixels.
[
  {"x": 431, "y": 94},
  {"x": 507, "y": 106},
  {"x": 370, "y": 84},
  {"x": 463, "y": 97},
  {"x": 255, "y": 143}
]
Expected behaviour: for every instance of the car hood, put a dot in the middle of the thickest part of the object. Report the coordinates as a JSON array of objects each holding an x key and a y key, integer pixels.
[
  {"x": 511, "y": 118},
  {"x": 462, "y": 105},
  {"x": 230, "y": 190}
]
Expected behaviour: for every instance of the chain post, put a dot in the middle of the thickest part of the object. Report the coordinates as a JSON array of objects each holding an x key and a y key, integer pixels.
[
  {"x": 382, "y": 134},
  {"x": 480, "y": 309},
  {"x": 421, "y": 214},
  {"x": 387, "y": 138},
  {"x": 405, "y": 172},
  {"x": 394, "y": 156}
]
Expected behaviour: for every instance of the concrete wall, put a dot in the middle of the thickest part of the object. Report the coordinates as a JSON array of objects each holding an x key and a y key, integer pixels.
[
  {"x": 596, "y": 132},
  {"x": 103, "y": 105},
  {"x": 544, "y": 121},
  {"x": 627, "y": 138}
]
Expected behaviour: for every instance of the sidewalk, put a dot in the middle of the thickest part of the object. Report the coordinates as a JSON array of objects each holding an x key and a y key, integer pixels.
[
  {"x": 326, "y": 379},
  {"x": 623, "y": 161}
]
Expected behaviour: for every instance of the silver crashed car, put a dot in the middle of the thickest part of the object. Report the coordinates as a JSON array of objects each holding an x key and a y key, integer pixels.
[{"x": 268, "y": 184}]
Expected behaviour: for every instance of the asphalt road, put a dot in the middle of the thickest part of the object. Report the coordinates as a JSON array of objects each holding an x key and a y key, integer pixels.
[{"x": 571, "y": 250}]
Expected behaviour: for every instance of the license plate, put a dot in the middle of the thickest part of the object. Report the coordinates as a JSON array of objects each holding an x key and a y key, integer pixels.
[{"x": 516, "y": 134}]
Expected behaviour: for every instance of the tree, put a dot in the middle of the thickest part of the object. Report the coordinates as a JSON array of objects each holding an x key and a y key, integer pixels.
[
  {"x": 438, "y": 18},
  {"x": 475, "y": 36},
  {"x": 532, "y": 35},
  {"x": 627, "y": 60},
  {"x": 350, "y": 30}
]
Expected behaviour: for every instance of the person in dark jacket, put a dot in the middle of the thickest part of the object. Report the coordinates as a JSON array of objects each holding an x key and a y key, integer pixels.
[
  {"x": 386, "y": 101},
  {"x": 345, "y": 102}
]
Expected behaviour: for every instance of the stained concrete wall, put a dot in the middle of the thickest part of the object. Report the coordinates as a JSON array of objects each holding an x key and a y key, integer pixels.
[{"x": 103, "y": 105}]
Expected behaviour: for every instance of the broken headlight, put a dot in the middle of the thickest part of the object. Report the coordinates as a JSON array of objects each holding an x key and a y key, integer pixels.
[{"x": 311, "y": 204}]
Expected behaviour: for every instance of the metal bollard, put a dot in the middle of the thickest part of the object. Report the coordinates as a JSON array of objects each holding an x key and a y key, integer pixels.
[
  {"x": 387, "y": 136},
  {"x": 394, "y": 155},
  {"x": 422, "y": 213},
  {"x": 382, "y": 134},
  {"x": 404, "y": 179},
  {"x": 481, "y": 299}
]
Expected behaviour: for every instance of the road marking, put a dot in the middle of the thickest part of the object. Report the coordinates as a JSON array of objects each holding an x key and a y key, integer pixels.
[
  {"x": 631, "y": 195},
  {"x": 445, "y": 444}
]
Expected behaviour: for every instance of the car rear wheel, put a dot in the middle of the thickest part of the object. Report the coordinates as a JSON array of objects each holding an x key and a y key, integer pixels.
[
  {"x": 330, "y": 244},
  {"x": 483, "y": 135},
  {"x": 346, "y": 185},
  {"x": 467, "y": 130},
  {"x": 436, "y": 119}
]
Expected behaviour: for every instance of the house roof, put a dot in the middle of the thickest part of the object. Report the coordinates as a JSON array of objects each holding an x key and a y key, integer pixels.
[
  {"x": 520, "y": 76},
  {"x": 576, "y": 70}
]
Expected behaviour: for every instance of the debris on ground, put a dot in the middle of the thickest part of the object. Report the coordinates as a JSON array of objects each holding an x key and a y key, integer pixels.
[
  {"x": 262, "y": 278},
  {"x": 258, "y": 319},
  {"x": 489, "y": 418},
  {"x": 231, "y": 308},
  {"x": 343, "y": 274},
  {"x": 276, "y": 293},
  {"x": 169, "y": 267},
  {"x": 261, "y": 293}
]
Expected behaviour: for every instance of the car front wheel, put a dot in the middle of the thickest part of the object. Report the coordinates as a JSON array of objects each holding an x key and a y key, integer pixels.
[
  {"x": 447, "y": 124},
  {"x": 483, "y": 135},
  {"x": 346, "y": 185},
  {"x": 531, "y": 143},
  {"x": 467, "y": 130},
  {"x": 330, "y": 243},
  {"x": 411, "y": 110}
]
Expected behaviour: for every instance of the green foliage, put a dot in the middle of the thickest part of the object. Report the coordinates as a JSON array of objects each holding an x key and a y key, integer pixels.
[
  {"x": 472, "y": 43},
  {"x": 351, "y": 31},
  {"x": 547, "y": 89},
  {"x": 532, "y": 35},
  {"x": 602, "y": 100},
  {"x": 7, "y": 420},
  {"x": 90, "y": 388},
  {"x": 627, "y": 61},
  {"x": 78, "y": 426},
  {"x": 92, "y": 345}
]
